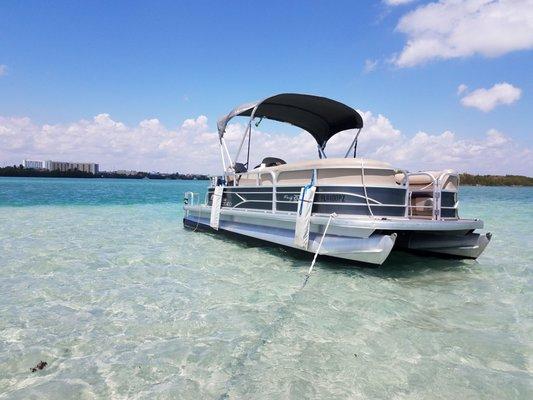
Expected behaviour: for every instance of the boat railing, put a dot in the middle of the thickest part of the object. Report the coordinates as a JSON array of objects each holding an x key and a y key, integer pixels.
[
  {"x": 436, "y": 187},
  {"x": 191, "y": 198},
  {"x": 232, "y": 179}
]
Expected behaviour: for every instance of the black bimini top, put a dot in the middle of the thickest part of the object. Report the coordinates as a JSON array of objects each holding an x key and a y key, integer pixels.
[{"x": 320, "y": 116}]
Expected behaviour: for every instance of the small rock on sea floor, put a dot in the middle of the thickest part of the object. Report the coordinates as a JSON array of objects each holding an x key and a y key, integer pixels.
[{"x": 39, "y": 366}]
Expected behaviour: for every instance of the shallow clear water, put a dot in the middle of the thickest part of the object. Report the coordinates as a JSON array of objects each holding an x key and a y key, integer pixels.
[{"x": 99, "y": 279}]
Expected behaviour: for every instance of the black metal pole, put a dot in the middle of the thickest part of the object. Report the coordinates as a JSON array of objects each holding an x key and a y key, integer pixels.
[{"x": 248, "y": 156}]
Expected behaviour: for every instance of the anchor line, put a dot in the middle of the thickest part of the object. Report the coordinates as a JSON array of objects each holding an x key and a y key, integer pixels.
[
  {"x": 250, "y": 354},
  {"x": 197, "y": 221},
  {"x": 331, "y": 216},
  {"x": 273, "y": 327}
]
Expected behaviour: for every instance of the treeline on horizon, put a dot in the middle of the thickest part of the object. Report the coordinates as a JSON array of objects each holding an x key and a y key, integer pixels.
[
  {"x": 495, "y": 180},
  {"x": 20, "y": 171}
]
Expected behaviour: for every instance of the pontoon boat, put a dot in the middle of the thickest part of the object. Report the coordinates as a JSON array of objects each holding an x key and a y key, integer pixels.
[{"x": 361, "y": 209}]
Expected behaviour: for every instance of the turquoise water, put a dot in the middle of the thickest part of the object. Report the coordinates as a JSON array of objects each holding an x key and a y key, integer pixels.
[{"x": 99, "y": 279}]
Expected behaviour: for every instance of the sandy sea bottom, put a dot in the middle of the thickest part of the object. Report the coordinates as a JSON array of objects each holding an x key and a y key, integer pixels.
[{"x": 99, "y": 279}]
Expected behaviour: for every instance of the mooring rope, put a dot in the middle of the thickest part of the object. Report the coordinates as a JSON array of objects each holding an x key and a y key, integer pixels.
[
  {"x": 331, "y": 216},
  {"x": 186, "y": 202},
  {"x": 252, "y": 351},
  {"x": 273, "y": 327},
  {"x": 197, "y": 222},
  {"x": 364, "y": 187}
]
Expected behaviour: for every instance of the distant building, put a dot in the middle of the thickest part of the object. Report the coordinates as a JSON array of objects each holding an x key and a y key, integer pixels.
[
  {"x": 70, "y": 166},
  {"x": 33, "y": 164},
  {"x": 61, "y": 166},
  {"x": 126, "y": 172}
]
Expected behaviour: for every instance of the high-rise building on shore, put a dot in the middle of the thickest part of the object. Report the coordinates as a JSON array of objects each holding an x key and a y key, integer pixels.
[
  {"x": 61, "y": 166},
  {"x": 33, "y": 164},
  {"x": 126, "y": 172}
]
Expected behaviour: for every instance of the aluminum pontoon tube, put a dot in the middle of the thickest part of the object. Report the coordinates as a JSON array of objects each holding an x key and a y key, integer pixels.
[
  {"x": 373, "y": 249},
  {"x": 470, "y": 245}
]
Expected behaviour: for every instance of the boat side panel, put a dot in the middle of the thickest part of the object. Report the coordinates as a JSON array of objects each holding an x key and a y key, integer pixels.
[{"x": 384, "y": 201}]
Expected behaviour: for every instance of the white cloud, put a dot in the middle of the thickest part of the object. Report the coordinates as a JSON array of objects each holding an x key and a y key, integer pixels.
[
  {"x": 461, "y": 89},
  {"x": 397, "y": 2},
  {"x": 370, "y": 65},
  {"x": 486, "y": 99},
  {"x": 3, "y": 69},
  {"x": 460, "y": 28},
  {"x": 193, "y": 145},
  {"x": 495, "y": 153}
]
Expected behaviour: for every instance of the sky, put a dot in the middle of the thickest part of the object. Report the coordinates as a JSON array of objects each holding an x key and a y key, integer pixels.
[{"x": 140, "y": 84}]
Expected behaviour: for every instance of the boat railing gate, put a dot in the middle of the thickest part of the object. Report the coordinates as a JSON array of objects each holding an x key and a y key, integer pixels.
[
  {"x": 236, "y": 177},
  {"x": 437, "y": 185},
  {"x": 191, "y": 198}
]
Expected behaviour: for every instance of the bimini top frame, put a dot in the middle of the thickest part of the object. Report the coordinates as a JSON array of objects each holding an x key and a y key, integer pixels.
[{"x": 321, "y": 117}]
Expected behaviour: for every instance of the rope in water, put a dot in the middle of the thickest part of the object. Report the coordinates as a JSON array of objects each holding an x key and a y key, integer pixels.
[
  {"x": 275, "y": 325},
  {"x": 186, "y": 202},
  {"x": 364, "y": 187},
  {"x": 252, "y": 352},
  {"x": 197, "y": 223},
  {"x": 331, "y": 216}
]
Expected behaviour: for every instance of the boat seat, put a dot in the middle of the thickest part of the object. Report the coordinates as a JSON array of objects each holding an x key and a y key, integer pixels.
[
  {"x": 240, "y": 168},
  {"x": 413, "y": 180},
  {"x": 423, "y": 180},
  {"x": 271, "y": 162}
]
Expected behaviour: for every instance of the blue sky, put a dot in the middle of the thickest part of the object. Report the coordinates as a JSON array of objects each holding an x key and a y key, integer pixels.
[{"x": 69, "y": 61}]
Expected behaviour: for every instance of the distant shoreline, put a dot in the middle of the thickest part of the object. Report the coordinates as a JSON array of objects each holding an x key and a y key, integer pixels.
[
  {"x": 495, "y": 180},
  {"x": 20, "y": 172},
  {"x": 465, "y": 179}
]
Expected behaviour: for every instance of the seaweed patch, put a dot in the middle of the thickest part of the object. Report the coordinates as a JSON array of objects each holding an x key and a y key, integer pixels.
[{"x": 39, "y": 366}]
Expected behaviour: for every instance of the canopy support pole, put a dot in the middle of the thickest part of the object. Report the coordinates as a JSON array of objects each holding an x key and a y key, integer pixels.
[
  {"x": 227, "y": 151},
  {"x": 354, "y": 145},
  {"x": 321, "y": 153},
  {"x": 248, "y": 128},
  {"x": 223, "y": 146},
  {"x": 248, "y": 132},
  {"x": 222, "y": 156},
  {"x": 249, "y": 142}
]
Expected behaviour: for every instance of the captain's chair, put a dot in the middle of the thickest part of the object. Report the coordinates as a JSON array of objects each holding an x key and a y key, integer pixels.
[{"x": 271, "y": 162}]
